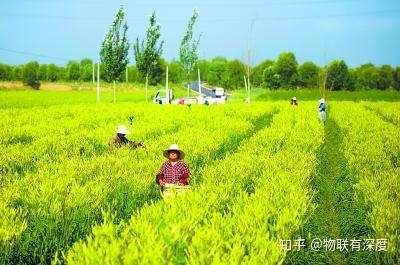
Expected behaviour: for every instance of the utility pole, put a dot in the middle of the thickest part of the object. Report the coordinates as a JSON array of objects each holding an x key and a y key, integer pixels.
[
  {"x": 98, "y": 82},
  {"x": 249, "y": 61},
  {"x": 198, "y": 74},
  {"x": 93, "y": 72},
  {"x": 166, "y": 85},
  {"x": 248, "y": 75},
  {"x": 324, "y": 75}
]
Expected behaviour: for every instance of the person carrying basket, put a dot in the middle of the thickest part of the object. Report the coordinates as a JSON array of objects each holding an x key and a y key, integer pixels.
[{"x": 174, "y": 174}]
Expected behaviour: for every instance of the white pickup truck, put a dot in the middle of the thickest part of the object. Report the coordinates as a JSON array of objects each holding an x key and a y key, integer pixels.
[{"x": 162, "y": 97}]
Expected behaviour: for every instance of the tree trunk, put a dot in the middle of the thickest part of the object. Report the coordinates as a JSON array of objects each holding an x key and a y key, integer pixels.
[
  {"x": 324, "y": 78},
  {"x": 189, "y": 86},
  {"x": 115, "y": 92},
  {"x": 248, "y": 86},
  {"x": 147, "y": 82},
  {"x": 98, "y": 82},
  {"x": 198, "y": 75}
]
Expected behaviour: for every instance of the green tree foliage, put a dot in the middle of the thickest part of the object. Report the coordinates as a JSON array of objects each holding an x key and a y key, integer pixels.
[
  {"x": 148, "y": 52},
  {"x": 86, "y": 69},
  {"x": 31, "y": 75},
  {"x": 175, "y": 72},
  {"x": 338, "y": 77},
  {"x": 17, "y": 72},
  {"x": 217, "y": 73},
  {"x": 73, "y": 71},
  {"x": 229, "y": 74},
  {"x": 5, "y": 72},
  {"x": 385, "y": 77},
  {"x": 115, "y": 47},
  {"x": 43, "y": 72},
  {"x": 134, "y": 74},
  {"x": 308, "y": 75},
  {"x": 53, "y": 74},
  {"x": 235, "y": 73},
  {"x": 286, "y": 67},
  {"x": 367, "y": 77},
  {"x": 396, "y": 78},
  {"x": 204, "y": 66},
  {"x": 188, "y": 50},
  {"x": 159, "y": 72},
  {"x": 62, "y": 73},
  {"x": 258, "y": 72},
  {"x": 85, "y": 61},
  {"x": 271, "y": 79},
  {"x": 370, "y": 77}
]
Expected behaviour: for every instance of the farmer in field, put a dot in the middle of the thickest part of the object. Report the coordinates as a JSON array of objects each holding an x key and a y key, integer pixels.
[
  {"x": 293, "y": 101},
  {"x": 119, "y": 139},
  {"x": 174, "y": 170},
  {"x": 322, "y": 110}
]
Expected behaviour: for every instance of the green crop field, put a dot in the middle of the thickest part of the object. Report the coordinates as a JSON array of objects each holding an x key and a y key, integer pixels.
[{"x": 264, "y": 176}]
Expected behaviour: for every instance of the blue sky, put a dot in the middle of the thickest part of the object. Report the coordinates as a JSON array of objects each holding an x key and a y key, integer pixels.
[{"x": 358, "y": 31}]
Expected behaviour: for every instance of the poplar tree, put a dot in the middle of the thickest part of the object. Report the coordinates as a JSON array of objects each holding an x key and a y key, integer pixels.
[
  {"x": 188, "y": 50},
  {"x": 148, "y": 51},
  {"x": 114, "y": 49}
]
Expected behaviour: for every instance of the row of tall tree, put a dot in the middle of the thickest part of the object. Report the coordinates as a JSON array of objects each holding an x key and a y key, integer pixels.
[
  {"x": 114, "y": 52},
  {"x": 285, "y": 72},
  {"x": 150, "y": 67},
  {"x": 114, "y": 57}
]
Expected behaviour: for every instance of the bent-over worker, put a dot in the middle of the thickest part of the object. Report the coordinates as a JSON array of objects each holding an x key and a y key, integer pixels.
[{"x": 119, "y": 139}]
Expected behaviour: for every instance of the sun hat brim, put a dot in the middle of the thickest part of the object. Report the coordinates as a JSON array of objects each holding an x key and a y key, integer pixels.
[
  {"x": 181, "y": 153},
  {"x": 123, "y": 132}
]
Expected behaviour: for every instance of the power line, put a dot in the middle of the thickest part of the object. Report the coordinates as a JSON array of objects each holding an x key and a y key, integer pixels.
[
  {"x": 330, "y": 16},
  {"x": 44, "y": 16},
  {"x": 34, "y": 54},
  {"x": 210, "y": 20},
  {"x": 211, "y": 3}
]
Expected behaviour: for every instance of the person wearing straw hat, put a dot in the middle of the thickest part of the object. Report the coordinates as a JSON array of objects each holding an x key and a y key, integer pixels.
[
  {"x": 119, "y": 139},
  {"x": 293, "y": 101},
  {"x": 174, "y": 170},
  {"x": 322, "y": 110}
]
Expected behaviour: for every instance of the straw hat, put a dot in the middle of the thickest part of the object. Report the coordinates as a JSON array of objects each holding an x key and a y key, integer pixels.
[
  {"x": 122, "y": 130},
  {"x": 174, "y": 147},
  {"x": 322, "y": 100}
]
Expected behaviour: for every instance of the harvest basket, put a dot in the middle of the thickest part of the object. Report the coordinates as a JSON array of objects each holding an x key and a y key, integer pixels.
[{"x": 172, "y": 190}]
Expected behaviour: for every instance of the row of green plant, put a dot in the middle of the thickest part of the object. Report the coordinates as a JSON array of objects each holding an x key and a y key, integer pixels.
[
  {"x": 387, "y": 112},
  {"x": 247, "y": 202},
  {"x": 58, "y": 174},
  {"x": 372, "y": 148}
]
